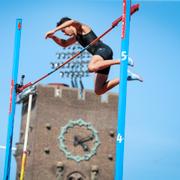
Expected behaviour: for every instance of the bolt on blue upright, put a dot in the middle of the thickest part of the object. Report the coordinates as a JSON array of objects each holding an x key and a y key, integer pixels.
[
  {"x": 122, "y": 90},
  {"x": 12, "y": 105}
]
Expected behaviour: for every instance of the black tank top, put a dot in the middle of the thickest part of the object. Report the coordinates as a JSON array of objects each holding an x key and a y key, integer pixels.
[{"x": 86, "y": 39}]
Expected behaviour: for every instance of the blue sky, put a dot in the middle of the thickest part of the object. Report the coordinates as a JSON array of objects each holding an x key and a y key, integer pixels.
[{"x": 152, "y": 145}]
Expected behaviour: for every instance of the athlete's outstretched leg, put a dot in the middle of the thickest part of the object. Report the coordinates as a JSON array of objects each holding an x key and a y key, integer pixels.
[
  {"x": 102, "y": 85},
  {"x": 98, "y": 63}
]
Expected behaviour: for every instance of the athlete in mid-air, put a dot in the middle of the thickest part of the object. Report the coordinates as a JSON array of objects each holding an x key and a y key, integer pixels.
[{"x": 102, "y": 54}]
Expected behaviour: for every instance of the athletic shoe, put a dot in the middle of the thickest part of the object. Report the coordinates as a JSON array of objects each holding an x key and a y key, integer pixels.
[{"x": 132, "y": 76}]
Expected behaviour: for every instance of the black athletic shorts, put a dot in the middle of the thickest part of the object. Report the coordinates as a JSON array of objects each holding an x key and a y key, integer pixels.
[{"x": 107, "y": 54}]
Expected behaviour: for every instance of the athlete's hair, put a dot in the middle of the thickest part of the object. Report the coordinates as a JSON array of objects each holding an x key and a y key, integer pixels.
[{"x": 62, "y": 20}]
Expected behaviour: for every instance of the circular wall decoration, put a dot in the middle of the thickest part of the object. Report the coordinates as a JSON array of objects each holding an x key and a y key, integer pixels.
[{"x": 78, "y": 140}]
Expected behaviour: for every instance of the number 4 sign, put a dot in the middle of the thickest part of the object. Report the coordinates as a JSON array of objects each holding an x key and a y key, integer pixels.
[{"x": 119, "y": 138}]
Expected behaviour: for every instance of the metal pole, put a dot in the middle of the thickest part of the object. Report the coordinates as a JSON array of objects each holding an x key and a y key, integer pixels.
[
  {"x": 122, "y": 90},
  {"x": 12, "y": 105},
  {"x": 24, "y": 156}
]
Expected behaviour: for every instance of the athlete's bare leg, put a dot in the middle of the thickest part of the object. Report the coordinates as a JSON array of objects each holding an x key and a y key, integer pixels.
[
  {"x": 102, "y": 85},
  {"x": 98, "y": 63}
]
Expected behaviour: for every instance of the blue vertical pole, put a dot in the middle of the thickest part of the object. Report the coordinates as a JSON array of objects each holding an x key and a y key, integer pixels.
[
  {"x": 122, "y": 90},
  {"x": 12, "y": 105}
]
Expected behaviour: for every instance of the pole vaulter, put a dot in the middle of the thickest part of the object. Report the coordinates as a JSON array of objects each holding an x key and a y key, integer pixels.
[{"x": 134, "y": 8}]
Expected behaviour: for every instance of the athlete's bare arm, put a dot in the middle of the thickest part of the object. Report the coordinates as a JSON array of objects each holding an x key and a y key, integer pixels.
[{"x": 63, "y": 42}]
